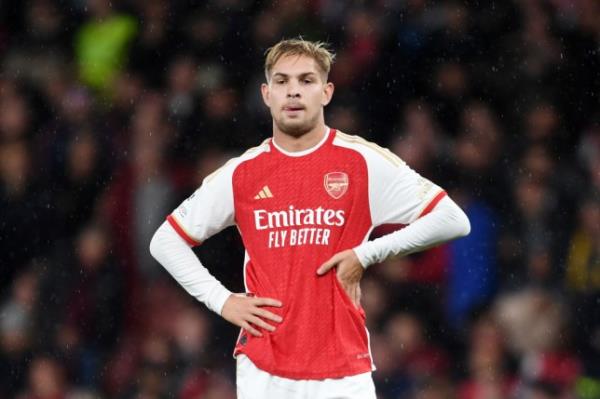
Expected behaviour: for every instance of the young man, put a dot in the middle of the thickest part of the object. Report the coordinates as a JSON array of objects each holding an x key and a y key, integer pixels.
[{"x": 304, "y": 202}]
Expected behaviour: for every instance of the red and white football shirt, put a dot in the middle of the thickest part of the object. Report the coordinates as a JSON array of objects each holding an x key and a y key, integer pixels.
[{"x": 294, "y": 211}]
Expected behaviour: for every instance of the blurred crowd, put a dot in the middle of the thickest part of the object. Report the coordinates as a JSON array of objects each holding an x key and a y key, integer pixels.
[{"x": 112, "y": 112}]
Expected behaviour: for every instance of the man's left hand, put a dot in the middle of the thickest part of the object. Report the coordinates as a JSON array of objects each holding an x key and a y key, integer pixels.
[{"x": 349, "y": 272}]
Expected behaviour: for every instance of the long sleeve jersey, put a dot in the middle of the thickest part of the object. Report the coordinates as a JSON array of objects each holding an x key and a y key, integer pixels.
[{"x": 294, "y": 211}]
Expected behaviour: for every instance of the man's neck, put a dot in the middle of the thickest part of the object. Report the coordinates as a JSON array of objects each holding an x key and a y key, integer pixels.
[{"x": 301, "y": 143}]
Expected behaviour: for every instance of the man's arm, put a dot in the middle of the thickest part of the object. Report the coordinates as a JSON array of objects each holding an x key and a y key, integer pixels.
[
  {"x": 175, "y": 255},
  {"x": 444, "y": 223},
  {"x": 207, "y": 211},
  {"x": 397, "y": 194}
]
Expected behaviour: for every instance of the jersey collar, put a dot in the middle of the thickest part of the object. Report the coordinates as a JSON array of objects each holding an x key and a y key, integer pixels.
[{"x": 328, "y": 133}]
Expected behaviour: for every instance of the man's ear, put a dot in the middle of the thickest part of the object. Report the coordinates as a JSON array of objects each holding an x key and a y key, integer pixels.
[
  {"x": 264, "y": 90},
  {"x": 328, "y": 90}
]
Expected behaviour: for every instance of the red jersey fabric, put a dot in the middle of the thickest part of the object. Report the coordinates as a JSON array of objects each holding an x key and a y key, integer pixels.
[{"x": 323, "y": 334}]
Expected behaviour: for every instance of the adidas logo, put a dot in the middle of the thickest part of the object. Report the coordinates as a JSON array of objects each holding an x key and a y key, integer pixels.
[{"x": 264, "y": 193}]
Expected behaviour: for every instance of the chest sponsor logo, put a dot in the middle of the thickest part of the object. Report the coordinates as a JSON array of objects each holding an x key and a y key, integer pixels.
[
  {"x": 295, "y": 227},
  {"x": 336, "y": 184}
]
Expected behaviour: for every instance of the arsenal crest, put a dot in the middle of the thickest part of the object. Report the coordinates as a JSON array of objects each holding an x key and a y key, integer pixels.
[{"x": 336, "y": 184}]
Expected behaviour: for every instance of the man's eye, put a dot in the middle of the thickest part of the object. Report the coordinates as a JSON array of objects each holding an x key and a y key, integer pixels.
[
  {"x": 280, "y": 81},
  {"x": 307, "y": 81}
]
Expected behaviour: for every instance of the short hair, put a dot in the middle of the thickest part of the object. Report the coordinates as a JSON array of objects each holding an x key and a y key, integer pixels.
[{"x": 318, "y": 51}]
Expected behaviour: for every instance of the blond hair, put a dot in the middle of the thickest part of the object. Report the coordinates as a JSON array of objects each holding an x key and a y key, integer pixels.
[{"x": 318, "y": 51}]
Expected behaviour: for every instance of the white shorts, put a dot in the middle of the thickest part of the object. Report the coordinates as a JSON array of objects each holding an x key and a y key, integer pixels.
[{"x": 254, "y": 383}]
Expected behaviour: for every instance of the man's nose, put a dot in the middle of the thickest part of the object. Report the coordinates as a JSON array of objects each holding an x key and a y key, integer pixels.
[{"x": 293, "y": 90}]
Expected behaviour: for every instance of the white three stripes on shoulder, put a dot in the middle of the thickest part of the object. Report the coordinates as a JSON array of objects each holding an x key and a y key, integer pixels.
[{"x": 264, "y": 193}]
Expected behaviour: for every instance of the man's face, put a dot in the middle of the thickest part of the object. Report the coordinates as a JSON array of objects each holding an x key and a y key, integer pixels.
[{"x": 296, "y": 93}]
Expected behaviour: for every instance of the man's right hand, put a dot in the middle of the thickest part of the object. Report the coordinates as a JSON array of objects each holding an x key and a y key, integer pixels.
[{"x": 246, "y": 312}]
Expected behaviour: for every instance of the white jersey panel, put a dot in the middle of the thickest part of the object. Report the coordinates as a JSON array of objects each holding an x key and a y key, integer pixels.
[
  {"x": 397, "y": 194},
  {"x": 210, "y": 208}
]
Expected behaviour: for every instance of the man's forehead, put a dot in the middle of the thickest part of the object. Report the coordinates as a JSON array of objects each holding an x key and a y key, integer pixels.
[{"x": 295, "y": 64}]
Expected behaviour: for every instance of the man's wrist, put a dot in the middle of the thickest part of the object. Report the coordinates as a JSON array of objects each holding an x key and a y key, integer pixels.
[
  {"x": 217, "y": 298},
  {"x": 362, "y": 254}
]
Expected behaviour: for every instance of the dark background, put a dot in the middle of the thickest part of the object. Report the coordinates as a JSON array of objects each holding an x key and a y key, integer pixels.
[{"x": 111, "y": 113}]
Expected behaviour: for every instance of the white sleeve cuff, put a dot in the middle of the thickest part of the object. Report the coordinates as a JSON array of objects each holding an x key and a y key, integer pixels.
[
  {"x": 362, "y": 253},
  {"x": 217, "y": 298}
]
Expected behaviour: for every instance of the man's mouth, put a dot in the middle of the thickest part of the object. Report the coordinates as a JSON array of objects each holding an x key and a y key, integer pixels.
[{"x": 293, "y": 108}]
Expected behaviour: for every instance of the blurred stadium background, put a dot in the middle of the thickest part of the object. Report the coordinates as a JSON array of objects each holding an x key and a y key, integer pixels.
[{"x": 112, "y": 112}]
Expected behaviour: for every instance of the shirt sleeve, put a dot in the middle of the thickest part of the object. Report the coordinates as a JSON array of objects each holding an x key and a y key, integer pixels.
[
  {"x": 181, "y": 262},
  {"x": 446, "y": 222},
  {"x": 397, "y": 194},
  {"x": 208, "y": 210}
]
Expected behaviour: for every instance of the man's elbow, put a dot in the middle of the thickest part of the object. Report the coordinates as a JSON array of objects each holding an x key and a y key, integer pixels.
[
  {"x": 155, "y": 246},
  {"x": 456, "y": 221},
  {"x": 463, "y": 225}
]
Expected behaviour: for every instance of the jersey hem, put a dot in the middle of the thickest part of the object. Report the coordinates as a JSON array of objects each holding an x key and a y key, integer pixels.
[{"x": 294, "y": 375}]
